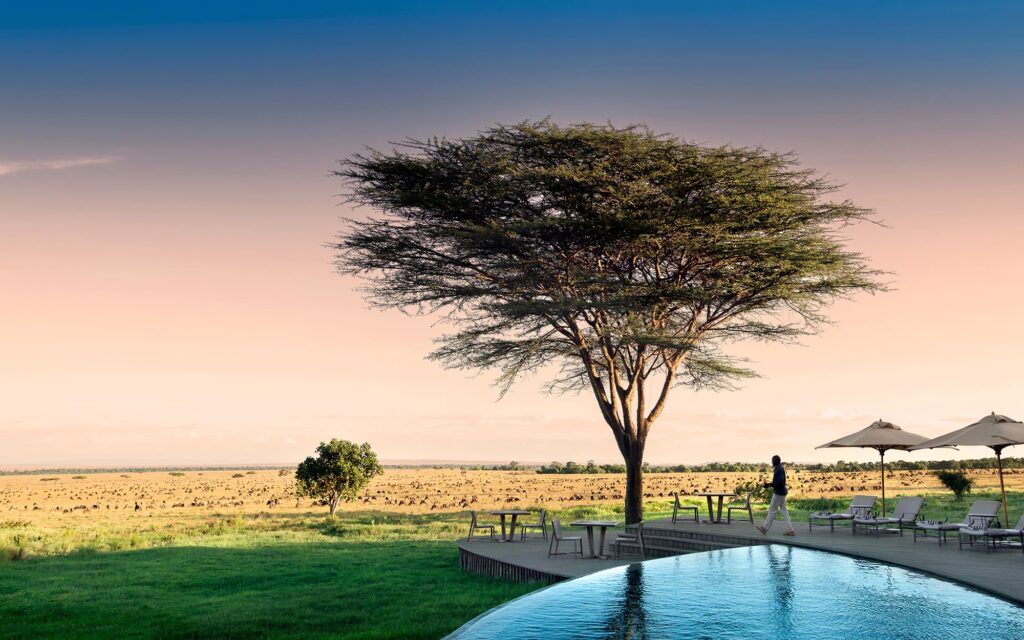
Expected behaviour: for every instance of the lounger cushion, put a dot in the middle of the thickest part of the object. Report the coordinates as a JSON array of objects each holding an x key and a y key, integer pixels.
[
  {"x": 831, "y": 516},
  {"x": 878, "y": 520},
  {"x": 991, "y": 532},
  {"x": 941, "y": 526}
]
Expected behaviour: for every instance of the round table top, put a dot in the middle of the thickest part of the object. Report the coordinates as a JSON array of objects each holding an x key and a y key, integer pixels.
[
  {"x": 710, "y": 494},
  {"x": 594, "y": 523},
  {"x": 509, "y": 512}
]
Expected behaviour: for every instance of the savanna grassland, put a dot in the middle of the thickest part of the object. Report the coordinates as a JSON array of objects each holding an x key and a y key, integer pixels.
[{"x": 236, "y": 554}]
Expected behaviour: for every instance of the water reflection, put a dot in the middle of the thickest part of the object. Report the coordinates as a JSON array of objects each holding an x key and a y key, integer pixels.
[
  {"x": 780, "y": 562},
  {"x": 628, "y": 617}
]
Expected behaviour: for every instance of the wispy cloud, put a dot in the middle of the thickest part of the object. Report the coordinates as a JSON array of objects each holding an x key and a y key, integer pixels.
[{"x": 7, "y": 168}]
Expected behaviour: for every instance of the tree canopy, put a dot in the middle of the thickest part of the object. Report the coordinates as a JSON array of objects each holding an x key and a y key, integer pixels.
[
  {"x": 628, "y": 258},
  {"x": 339, "y": 472}
]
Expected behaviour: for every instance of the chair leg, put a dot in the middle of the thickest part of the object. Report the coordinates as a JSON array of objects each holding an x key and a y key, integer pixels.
[
  {"x": 750, "y": 514},
  {"x": 469, "y": 538}
]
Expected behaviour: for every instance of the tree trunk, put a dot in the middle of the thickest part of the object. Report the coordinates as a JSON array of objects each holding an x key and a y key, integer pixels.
[
  {"x": 634, "y": 484},
  {"x": 333, "y": 504}
]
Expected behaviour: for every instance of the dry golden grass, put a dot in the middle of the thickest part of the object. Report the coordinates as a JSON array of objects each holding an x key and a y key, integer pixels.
[{"x": 114, "y": 497}]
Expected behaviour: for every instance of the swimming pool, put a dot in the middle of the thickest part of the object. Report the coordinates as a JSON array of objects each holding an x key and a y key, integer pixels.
[{"x": 770, "y": 591}]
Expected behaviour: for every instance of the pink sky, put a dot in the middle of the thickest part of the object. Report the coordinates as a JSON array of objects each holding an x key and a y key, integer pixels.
[{"x": 166, "y": 297}]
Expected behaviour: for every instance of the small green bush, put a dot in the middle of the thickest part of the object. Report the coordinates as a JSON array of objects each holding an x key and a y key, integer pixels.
[
  {"x": 957, "y": 482},
  {"x": 758, "y": 492},
  {"x": 176, "y": 474},
  {"x": 78, "y": 477},
  {"x": 238, "y": 475}
]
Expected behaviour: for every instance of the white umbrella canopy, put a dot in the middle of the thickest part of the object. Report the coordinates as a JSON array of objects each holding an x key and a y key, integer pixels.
[
  {"x": 993, "y": 431},
  {"x": 880, "y": 436}
]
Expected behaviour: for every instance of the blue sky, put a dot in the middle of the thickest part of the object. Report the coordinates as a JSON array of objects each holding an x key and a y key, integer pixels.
[{"x": 165, "y": 201}]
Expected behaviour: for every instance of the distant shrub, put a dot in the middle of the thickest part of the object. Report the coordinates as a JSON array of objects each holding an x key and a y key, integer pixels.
[
  {"x": 815, "y": 505},
  {"x": 250, "y": 473},
  {"x": 78, "y": 477},
  {"x": 238, "y": 475},
  {"x": 176, "y": 474},
  {"x": 283, "y": 472},
  {"x": 124, "y": 475},
  {"x": 957, "y": 482},
  {"x": 48, "y": 479},
  {"x": 14, "y": 524},
  {"x": 758, "y": 492}
]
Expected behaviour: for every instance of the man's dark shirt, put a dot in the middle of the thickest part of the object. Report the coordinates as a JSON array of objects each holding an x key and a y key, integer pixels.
[{"x": 779, "y": 481}]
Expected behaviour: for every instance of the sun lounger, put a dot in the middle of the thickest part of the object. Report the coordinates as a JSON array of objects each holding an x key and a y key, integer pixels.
[
  {"x": 860, "y": 506},
  {"x": 992, "y": 536},
  {"x": 980, "y": 515},
  {"x": 904, "y": 515}
]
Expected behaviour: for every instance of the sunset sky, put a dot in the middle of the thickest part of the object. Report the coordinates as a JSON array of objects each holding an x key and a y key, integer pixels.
[{"x": 166, "y": 296}]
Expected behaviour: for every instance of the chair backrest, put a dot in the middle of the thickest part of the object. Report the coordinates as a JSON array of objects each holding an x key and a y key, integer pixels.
[
  {"x": 543, "y": 516},
  {"x": 640, "y": 538},
  {"x": 747, "y": 501},
  {"x": 908, "y": 508},
  {"x": 472, "y": 518},
  {"x": 861, "y": 505},
  {"x": 981, "y": 513},
  {"x": 556, "y": 528},
  {"x": 1020, "y": 524}
]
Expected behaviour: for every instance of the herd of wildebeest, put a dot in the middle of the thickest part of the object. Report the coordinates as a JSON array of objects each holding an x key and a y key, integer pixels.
[{"x": 403, "y": 490}]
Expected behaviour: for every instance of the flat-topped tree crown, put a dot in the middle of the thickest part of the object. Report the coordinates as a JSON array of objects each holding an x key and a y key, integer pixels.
[{"x": 626, "y": 257}]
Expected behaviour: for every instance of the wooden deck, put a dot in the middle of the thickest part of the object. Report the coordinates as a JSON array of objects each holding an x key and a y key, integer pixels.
[{"x": 1000, "y": 572}]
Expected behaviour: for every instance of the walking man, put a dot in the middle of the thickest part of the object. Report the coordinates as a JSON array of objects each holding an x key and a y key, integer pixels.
[{"x": 778, "y": 503}]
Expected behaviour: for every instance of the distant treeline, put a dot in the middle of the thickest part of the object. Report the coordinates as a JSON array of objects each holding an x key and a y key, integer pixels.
[
  {"x": 902, "y": 465},
  {"x": 62, "y": 470}
]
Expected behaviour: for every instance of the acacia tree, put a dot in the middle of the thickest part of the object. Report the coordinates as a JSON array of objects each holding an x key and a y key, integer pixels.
[
  {"x": 626, "y": 257},
  {"x": 339, "y": 472}
]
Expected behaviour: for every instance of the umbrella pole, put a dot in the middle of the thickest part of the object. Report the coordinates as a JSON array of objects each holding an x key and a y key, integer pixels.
[
  {"x": 1002, "y": 489},
  {"x": 881, "y": 453}
]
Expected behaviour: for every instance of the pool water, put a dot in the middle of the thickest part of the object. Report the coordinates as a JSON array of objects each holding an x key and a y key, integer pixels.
[{"x": 772, "y": 591}]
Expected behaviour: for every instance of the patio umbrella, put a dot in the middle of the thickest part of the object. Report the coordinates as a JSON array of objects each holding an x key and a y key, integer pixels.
[
  {"x": 993, "y": 431},
  {"x": 880, "y": 436}
]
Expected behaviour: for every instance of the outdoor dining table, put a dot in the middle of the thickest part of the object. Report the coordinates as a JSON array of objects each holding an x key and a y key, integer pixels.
[
  {"x": 603, "y": 526},
  {"x": 515, "y": 513},
  {"x": 721, "y": 498}
]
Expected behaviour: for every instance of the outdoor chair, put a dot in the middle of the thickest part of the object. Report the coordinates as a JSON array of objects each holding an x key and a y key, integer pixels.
[
  {"x": 904, "y": 515},
  {"x": 634, "y": 538},
  {"x": 557, "y": 538},
  {"x": 677, "y": 507},
  {"x": 474, "y": 525},
  {"x": 540, "y": 524},
  {"x": 997, "y": 537},
  {"x": 984, "y": 532},
  {"x": 740, "y": 506},
  {"x": 860, "y": 506},
  {"x": 979, "y": 516}
]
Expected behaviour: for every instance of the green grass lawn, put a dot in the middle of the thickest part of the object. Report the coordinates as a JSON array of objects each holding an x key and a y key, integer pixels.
[
  {"x": 362, "y": 575},
  {"x": 248, "y": 585}
]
